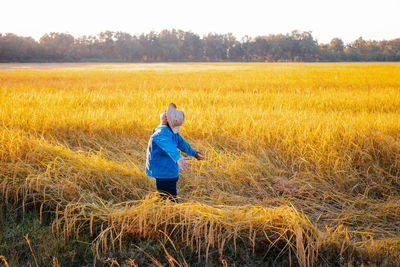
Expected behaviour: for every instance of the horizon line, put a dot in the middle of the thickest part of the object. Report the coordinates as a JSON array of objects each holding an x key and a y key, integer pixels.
[{"x": 200, "y": 35}]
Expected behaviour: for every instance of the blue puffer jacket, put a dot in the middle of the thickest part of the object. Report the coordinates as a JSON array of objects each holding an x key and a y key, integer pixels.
[{"x": 162, "y": 153}]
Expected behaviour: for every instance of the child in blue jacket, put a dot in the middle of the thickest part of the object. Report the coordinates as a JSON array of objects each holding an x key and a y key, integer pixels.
[{"x": 163, "y": 159}]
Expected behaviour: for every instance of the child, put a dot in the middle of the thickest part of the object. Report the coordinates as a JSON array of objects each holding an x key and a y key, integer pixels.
[{"x": 163, "y": 159}]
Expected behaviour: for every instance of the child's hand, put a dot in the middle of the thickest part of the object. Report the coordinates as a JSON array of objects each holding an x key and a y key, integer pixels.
[
  {"x": 183, "y": 164},
  {"x": 199, "y": 155}
]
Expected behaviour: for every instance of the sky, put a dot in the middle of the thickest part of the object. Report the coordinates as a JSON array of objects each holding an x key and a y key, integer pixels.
[{"x": 346, "y": 19}]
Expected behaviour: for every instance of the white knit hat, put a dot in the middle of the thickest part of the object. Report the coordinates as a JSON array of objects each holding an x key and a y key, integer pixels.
[{"x": 175, "y": 117}]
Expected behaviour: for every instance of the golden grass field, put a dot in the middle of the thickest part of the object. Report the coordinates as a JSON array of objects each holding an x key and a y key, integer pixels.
[{"x": 303, "y": 158}]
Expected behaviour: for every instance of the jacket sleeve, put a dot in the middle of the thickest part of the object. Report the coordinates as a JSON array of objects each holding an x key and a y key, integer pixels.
[
  {"x": 185, "y": 147},
  {"x": 167, "y": 144}
]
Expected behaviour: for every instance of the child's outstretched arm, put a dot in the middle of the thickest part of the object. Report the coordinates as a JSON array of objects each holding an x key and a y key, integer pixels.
[{"x": 185, "y": 147}]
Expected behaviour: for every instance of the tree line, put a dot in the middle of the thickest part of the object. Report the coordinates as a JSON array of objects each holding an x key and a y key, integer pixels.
[{"x": 181, "y": 46}]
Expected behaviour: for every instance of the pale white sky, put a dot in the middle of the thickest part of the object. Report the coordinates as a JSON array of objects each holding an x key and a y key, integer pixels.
[{"x": 346, "y": 19}]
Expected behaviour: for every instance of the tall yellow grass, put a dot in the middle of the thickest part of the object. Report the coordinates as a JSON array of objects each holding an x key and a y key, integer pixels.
[{"x": 303, "y": 153}]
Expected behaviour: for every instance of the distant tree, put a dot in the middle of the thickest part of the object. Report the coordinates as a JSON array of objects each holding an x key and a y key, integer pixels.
[
  {"x": 306, "y": 48},
  {"x": 279, "y": 48},
  {"x": 57, "y": 46},
  {"x": 170, "y": 42},
  {"x": 17, "y": 49},
  {"x": 336, "y": 45},
  {"x": 391, "y": 50},
  {"x": 216, "y": 47},
  {"x": 262, "y": 49},
  {"x": 191, "y": 46},
  {"x": 335, "y": 50}
]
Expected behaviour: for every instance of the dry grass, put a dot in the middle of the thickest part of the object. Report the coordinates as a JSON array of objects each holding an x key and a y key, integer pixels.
[{"x": 302, "y": 156}]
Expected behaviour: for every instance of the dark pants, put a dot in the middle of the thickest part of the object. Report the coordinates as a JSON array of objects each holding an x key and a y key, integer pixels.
[{"x": 167, "y": 188}]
